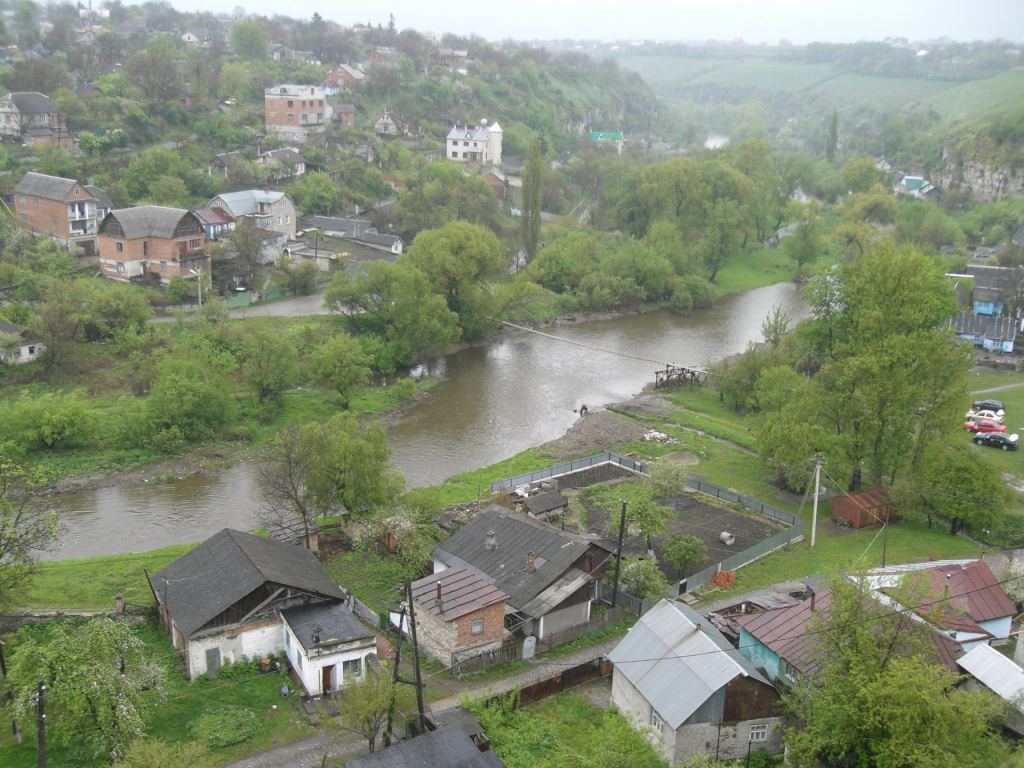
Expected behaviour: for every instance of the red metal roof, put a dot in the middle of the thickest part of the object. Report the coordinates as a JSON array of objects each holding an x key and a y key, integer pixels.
[
  {"x": 973, "y": 591},
  {"x": 213, "y": 216},
  {"x": 463, "y": 590}
]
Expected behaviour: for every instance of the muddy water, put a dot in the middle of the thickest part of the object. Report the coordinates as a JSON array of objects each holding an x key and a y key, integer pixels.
[{"x": 493, "y": 402}]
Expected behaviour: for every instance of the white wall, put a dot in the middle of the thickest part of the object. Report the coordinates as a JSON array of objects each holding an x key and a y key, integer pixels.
[
  {"x": 259, "y": 641},
  {"x": 309, "y": 670},
  {"x": 998, "y": 628},
  {"x": 631, "y": 703}
]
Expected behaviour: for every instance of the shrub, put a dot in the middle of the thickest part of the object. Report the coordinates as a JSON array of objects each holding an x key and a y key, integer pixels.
[{"x": 228, "y": 725}]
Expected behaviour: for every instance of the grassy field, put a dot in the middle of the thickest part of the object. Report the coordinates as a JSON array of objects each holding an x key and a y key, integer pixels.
[
  {"x": 754, "y": 269},
  {"x": 1011, "y": 462},
  {"x": 979, "y": 98}
]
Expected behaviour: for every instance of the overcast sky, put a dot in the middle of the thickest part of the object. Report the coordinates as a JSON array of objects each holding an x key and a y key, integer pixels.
[{"x": 800, "y": 21}]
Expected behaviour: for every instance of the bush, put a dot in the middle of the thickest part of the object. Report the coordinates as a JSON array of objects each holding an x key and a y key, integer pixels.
[{"x": 229, "y": 725}]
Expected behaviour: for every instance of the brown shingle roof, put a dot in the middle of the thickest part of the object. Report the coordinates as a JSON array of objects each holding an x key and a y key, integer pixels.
[{"x": 463, "y": 590}]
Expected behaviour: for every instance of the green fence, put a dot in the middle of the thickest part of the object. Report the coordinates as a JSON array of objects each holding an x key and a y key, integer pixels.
[{"x": 237, "y": 300}]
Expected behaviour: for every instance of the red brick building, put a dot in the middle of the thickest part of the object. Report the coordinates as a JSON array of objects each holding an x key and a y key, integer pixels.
[
  {"x": 59, "y": 208},
  {"x": 459, "y": 614},
  {"x": 152, "y": 242},
  {"x": 296, "y": 111}
]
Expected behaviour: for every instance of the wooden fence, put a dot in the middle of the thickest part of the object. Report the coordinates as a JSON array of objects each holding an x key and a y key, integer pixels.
[
  {"x": 610, "y": 616},
  {"x": 572, "y": 676}
]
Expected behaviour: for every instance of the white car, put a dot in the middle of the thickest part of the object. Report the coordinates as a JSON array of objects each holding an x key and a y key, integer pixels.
[{"x": 996, "y": 416}]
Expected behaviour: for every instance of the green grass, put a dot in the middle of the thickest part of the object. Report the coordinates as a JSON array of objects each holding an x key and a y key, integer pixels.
[
  {"x": 704, "y": 410},
  {"x": 978, "y": 98},
  {"x": 754, "y": 269},
  {"x": 91, "y": 583},
  {"x": 170, "y": 720},
  {"x": 372, "y": 579}
]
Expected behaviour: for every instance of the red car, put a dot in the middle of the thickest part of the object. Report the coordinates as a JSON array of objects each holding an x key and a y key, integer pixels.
[{"x": 984, "y": 425}]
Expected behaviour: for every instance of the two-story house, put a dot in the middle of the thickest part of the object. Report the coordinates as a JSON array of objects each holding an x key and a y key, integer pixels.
[
  {"x": 31, "y": 117},
  {"x": 268, "y": 210},
  {"x": 59, "y": 208},
  {"x": 474, "y": 144},
  {"x": 151, "y": 241},
  {"x": 295, "y": 112},
  {"x": 282, "y": 164}
]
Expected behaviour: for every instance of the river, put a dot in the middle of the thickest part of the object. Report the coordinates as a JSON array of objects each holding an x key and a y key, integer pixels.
[{"x": 492, "y": 402}]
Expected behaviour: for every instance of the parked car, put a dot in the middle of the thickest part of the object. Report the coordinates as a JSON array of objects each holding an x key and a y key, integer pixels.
[
  {"x": 997, "y": 440},
  {"x": 978, "y": 415},
  {"x": 984, "y": 425},
  {"x": 991, "y": 404}
]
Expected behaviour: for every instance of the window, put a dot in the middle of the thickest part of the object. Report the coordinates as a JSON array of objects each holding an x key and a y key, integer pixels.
[
  {"x": 31, "y": 349},
  {"x": 657, "y": 724},
  {"x": 352, "y": 668},
  {"x": 298, "y": 661},
  {"x": 21, "y": 199},
  {"x": 477, "y": 627},
  {"x": 119, "y": 246},
  {"x": 194, "y": 243},
  {"x": 145, "y": 247},
  {"x": 278, "y": 219},
  {"x": 758, "y": 733},
  {"x": 455, "y": 154},
  {"x": 163, "y": 266},
  {"x": 120, "y": 266},
  {"x": 78, "y": 192},
  {"x": 291, "y": 103},
  {"x": 291, "y": 115},
  {"x": 287, "y": 640},
  {"x": 465, "y": 143}
]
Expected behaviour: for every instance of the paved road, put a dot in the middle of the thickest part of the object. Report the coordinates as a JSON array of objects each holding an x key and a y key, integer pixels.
[{"x": 299, "y": 306}]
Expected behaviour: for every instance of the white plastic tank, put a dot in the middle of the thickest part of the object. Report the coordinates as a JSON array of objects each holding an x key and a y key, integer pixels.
[
  {"x": 727, "y": 538},
  {"x": 529, "y": 646}
]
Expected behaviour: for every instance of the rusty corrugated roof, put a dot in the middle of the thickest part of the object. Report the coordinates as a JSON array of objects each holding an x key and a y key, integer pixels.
[{"x": 463, "y": 590}]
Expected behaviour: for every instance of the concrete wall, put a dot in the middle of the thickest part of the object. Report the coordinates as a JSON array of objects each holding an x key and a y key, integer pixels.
[
  {"x": 256, "y": 639},
  {"x": 23, "y": 353},
  {"x": 726, "y": 741},
  {"x": 310, "y": 669},
  {"x": 631, "y": 703},
  {"x": 563, "y": 618}
]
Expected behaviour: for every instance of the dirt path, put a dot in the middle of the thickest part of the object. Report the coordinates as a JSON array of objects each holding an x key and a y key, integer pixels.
[{"x": 1000, "y": 388}]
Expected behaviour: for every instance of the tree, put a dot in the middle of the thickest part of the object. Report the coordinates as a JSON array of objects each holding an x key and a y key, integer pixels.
[
  {"x": 152, "y": 753},
  {"x": 366, "y": 704},
  {"x": 721, "y": 237},
  {"x": 190, "y": 398},
  {"x": 245, "y": 244},
  {"x": 683, "y": 551},
  {"x": 879, "y": 696},
  {"x": 249, "y": 41},
  {"x": 28, "y": 524},
  {"x": 652, "y": 519},
  {"x": 529, "y": 221},
  {"x": 269, "y": 364},
  {"x": 60, "y": 323},
  {"x": 54, "y": 420},
  {"x": 832, "y": 137},
  {"x": 643, "y": 578},
  {"x": 100, "y": 683},
  {"x": 315, "y": 193},
  {"x": 458, "y": 260},
  {"x": 341, "y": 364},
  {"x": 805, "y": 244},
  {"x": 326, "y": 468}
]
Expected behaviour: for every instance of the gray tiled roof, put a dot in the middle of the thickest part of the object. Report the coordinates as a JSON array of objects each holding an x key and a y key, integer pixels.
[
  {"x": 336, "y": 622},
  {"x": 40, "y": 185},
  {"x": 229, "y": 565},
  {"x": 448, "y": 747},
  {"x": 147, "y": 221},
  {"x": 247, "y": 201},
  {"x": 11, "y": 328},
  {"x": 101, "y": 197},
  {"x": 554, "y": 552},
  {"x": 33, "y": 103}
]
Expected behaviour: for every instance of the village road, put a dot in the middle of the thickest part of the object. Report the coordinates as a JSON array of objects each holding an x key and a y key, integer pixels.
[
  {"x": 1000, "y": 388},
  {"x": 298, "y": 306},
  {"x": 308, "y": 752}
]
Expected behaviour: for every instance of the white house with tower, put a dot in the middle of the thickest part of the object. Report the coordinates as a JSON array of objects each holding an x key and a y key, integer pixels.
[{"x": 474, "y": 144}]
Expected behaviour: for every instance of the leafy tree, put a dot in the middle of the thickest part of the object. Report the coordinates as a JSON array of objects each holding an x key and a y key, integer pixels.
[
  {"x": 55, "y": 161},
  {"x": 458, "y": 260},
  {"x": 101, "y": 686},
  {"x": 300, "y": 276},
  {"x": 441, "y": 194},
  {"x": 60, "y": 323},
  {"x": 249, "y": 41},
  {"x": 55, "y": 420},
  {"x": 879, "y": 697},
  {"x": 721, "y": 238},
  {"x": 152, "y": 753},
  {"x": 245, "y": 249},
  {"x": 269, "y": 363},
  {"x": 190, "y": 400},
  {"x": 169, "y": 191},
  {"x": 683, "y": 551},
  {"x": 860, "y": 174},
  {"x": 341, "y": 364},
  {"x": 113, "y": 308},
  {"x": 394, "y": 303},
  {"x": 326, "y": 468},
  {"x": 529, "y": 222},
  {"x": 668, "y": 479},
  {"x": 315, "y": 193},
  {"x": 643, "y": 578},
  {"x": 365, "y": 706},
  {"x": 652, "y": 519},
  {"x": 805, "y": 244},
  {"x": 27, "y": 523}
]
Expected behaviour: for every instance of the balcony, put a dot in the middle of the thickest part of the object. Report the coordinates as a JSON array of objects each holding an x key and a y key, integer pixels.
[{"x": 82, "y": 227}]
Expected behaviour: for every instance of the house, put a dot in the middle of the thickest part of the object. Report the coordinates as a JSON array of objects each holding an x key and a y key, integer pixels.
[
  {"x": 274, "y": 211},
  {"x": 547, "y": 574},
  {"x": 59, "y": 208},
  {"x": 382, "y": 56},
  {"x": 679, "y": 679},
  {"x": 546, "y": 505},
  {"x": 283, "y": 164},
  {"x": 17, "y": 345},
  {"x": 296, "y": 112},
  {"x": 864, "y": 508},
  {"x": 345, "y": 114},
  {"x": 474, "y": 144},
  {"x": 223, "y": 599},
  {"x": 882, "y": 164},
  {"x": 217, "y": 223},
  {"x": 31, "y": 117},
  {"x": 496, "y": 180},
  {"x": 452, "y": 58},
  {"x": 294, "y": 58},
  {"x": 996, "y": 333},
  {"x": 193, "y": 37},
  {"x": 994, "y": 288},
  {"x": 459, "y": 614},
  {"x": 151, "y": 242},
  {"x": 103, "y": 204},
  {"x": 358, "y": 231},
  {"x": 342, "y": 78},
  {"x": 221, "y": 164},
  {"x": 991, "y": 670},
  {"x": 385, "y": 125},
  {"x": 915, "y": 186},
  {"x": 326, "y": 645},
  {"x": 448, "y": 747},
  {"x": 614, "y": 138}
]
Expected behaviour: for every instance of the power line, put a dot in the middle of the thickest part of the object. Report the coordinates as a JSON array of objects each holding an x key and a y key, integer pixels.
[{"x": 586, "y": 346}]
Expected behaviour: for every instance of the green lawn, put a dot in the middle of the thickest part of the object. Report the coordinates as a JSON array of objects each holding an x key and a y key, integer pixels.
[
  {"x": 978, "y": 98},
  {"x": 374, "y": 580},
  {"x": 701, "y": 408},
  {"x": 282, "y": 720},
  {"x": 753, "y": 269}
]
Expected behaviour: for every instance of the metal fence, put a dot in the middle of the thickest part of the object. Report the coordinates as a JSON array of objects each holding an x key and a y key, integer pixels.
[
  {"x": 606, "y": 457},
  {"x": 738, "y": 498},
  {"x": 747, "y": 556}
]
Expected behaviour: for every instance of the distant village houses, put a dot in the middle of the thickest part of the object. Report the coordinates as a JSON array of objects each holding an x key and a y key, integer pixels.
[
  {"x": 62, "y": 209},
  {"x": 296, "y": 112},
  {"x": 474, "y": 144},
  {"x": 32, "y": 118},
  {"x": 152, "y": 242},
  {"x": 269, "y": 210}
]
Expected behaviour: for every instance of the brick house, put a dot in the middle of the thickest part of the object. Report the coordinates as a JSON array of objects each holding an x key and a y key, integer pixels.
[
  {"x": 459, "y": 614},
  {"x": 151, "y": 241},
  {"x": 223, "y": 600},
  {"x": 295, "y": 112},
  {"x": 32, "y": 118},
  {"x": 342, "y": 77},
  {"x": 547, "y": 574},
  {"x": 62, "y": 209}
]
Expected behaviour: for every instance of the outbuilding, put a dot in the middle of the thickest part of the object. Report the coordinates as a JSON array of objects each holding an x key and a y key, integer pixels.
[{"x": 864, "y": 508}]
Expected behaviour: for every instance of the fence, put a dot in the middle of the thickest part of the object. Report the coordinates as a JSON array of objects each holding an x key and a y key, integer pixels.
[
  {"x": 581, "y": 673},
  {"x": 610, "y": 616},
  {"x": 747, "y": 556},
  {"x": 237, "y": 300},
  {"x": 738, "y": 498},
  {"x": 607, "y": 457},
  {"x": 629, "y": 605},
  {"x": 509, "y": 650}
]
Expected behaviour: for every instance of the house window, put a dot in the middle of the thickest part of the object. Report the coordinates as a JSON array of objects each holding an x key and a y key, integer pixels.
[
  {"x": 119, "y": 247},
  {"x": 298, "y": 661},
  {"x": 657, "y": 724},
  {"x": 21, "y": 199},
  {"x": 145, "y": 247},
  {"x": 291, "y": 116},
  {"x": 163, "y": 266},
  {"x": 477, "y": 627},
  {"x": 78, "y": 192},
  {"x": 352, "y": 668},
  {"x": 31, "y": 350},
  {"x": 287, "y": 640},
  {"x": 194, "y": 243},
  {"x": 465, "y": 143},
  {"x": 291, "y": 103},
  {"x": 758, "y": 733},
  {"x": 455, "y": 154},
  {"x": 120, "y": 266}
]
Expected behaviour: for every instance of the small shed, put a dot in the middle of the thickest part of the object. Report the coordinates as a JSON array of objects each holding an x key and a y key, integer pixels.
[
  {"x": 864, "y": 508},
  {"x": 546, "y": 505}
]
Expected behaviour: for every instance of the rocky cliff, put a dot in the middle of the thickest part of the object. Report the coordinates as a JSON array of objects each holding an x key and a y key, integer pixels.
[{"x": 966, "y": 170}]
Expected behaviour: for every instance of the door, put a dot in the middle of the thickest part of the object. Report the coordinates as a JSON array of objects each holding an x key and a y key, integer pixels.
[
  {"x": 325, "y": 675},
  {"x": 213, "y": 663}
]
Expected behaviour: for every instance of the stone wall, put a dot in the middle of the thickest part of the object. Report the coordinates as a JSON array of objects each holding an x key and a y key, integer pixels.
[
  {"x": 986, "y": 182},
  {"x": 601, "y": 473}
]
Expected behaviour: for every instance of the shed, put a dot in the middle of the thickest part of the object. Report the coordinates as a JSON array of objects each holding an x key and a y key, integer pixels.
[
  {"x": 864, "y": 508},
  {"x": 546, "y": 505}
]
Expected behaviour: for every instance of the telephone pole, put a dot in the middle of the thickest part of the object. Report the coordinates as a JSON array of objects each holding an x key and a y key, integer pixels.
[
  {"x": 416, "y": 658},
  {"x": 395, "y": 679},
  {"x": 41, "y": 706},
  {"x": 618, "y": 556},
  {"x": 817, "y": 489}
]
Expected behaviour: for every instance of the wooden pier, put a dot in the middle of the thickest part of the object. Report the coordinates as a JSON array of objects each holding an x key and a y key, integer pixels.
[{"x": 677, "y": 376}]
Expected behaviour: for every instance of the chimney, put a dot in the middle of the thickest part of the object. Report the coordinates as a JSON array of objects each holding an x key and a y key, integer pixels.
[
  {"x": 531, "y": 562},
  {"x": 316, "y": 634},
  {"x": 439, "y": 608},
  {"x": 492, "y": 541}
]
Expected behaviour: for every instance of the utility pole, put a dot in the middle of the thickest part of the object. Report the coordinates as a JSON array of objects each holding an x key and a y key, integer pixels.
[
  {"x": 3, "y": 661},
  {"x": 618, "y": 556},
  {"x": 817, "y": 488},
  {"x": 415, "y": 658},
  {"x": 885, "y": 534},
  {"x": 395, "y": 679},
  {"x": 41, "y": 706}
]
